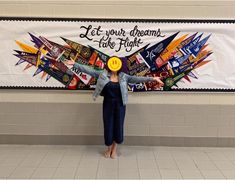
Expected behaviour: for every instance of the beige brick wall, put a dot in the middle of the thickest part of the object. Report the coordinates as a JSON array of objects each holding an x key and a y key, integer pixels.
[
  {"x": 34, "y": 112},
  {"x": 37, "y": 112}
]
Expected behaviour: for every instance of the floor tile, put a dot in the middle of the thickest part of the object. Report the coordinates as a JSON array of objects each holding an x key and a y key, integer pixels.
[
  {"x": 224, "y": 165},
  {"x": 206, "y": 165},
  {"x": 65, "y": 173},
  {"x": 128, "y": 163},
  {"x": 170, "y": 174},
  {"x": 133, "y": 162},
  {"x": 149, "y": 174},
  {"x": 6, "y": 171},
  {"x": 147, "y": 163},
  {"x": 128, "y": 173},
  {"x": 22, "y": 173},
  {"x": 69, "y": 161},
  {"x": 107, "y": 173},
  {"x": 43, "y": 172},
  {"x": 166, "y": 164},
  {"x": 191, "y": 174},
  {"x": 186, "y": 164},
  {"x": 86, "y": 173},
  {"x": 212, "y": 174},
  {"x": 230, "y": 174}
]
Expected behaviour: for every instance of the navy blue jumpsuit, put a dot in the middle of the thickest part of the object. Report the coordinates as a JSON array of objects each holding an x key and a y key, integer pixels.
[{"x": 113, "y": 113}]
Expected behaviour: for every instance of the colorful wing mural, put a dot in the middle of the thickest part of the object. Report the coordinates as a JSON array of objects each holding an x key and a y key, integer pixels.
[{"x": 173, "y": 59}]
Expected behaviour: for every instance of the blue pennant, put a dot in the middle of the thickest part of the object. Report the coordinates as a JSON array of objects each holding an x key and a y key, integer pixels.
[{"x": 185, "y": 50}]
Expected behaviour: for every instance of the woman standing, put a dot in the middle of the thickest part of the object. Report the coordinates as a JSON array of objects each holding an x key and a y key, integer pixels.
[{"x": 112, "y": 84}]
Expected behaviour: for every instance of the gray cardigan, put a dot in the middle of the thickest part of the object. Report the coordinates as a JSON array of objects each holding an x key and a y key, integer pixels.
[{"x": 103, "y": 78}]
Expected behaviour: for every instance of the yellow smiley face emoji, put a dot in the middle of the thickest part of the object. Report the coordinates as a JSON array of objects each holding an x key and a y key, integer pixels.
[{"x": 114, "y": 63}]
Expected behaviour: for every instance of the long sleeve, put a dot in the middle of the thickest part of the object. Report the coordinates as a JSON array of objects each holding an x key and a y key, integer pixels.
[
  {"x": 87, "y": 69},
  {"x": 138, "y": 79}
]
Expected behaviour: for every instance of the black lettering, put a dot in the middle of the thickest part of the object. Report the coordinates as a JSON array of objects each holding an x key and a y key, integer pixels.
[{"x": 87, "y": 30}]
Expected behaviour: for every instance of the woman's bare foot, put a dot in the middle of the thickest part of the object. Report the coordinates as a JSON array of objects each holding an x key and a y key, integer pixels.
[
  {"x": 107, "y": 153},
  {"x": 113, "y": 154},
  {"x": 113, "y": 150}
]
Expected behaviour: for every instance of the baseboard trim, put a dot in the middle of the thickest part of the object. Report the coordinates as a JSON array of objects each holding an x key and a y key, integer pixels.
[{"x": 129, "y": 140}]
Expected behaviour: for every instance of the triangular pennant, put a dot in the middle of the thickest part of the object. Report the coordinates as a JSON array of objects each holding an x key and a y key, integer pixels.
[
  {"x": 138, "y": 51},
  {"x": 37, "y": 71},
  {"x": 48, "y": 77},
  {"x": 198, "y": 46},
  {"x": 74, "y": 45},
  {"x": 38, "y": 43},
  {"x": 171, "y": 49},
  {"x": 201, "y": 59},
  {"x": 43, "y": 75},
  {"x": 28, "y": 66},
  {"x": 185, "y": 50},
  {"x": 187, "y": 78},
  {"x": 191, "y": 74},
  {"x": 28, "y": 57},
  {"x": 20, "y": 62},
  {"x": 151, "y": 54},
  {"x": 27, "y": 48},
  {"x": 202, "y": 63},
  {"x": 187, "y": 41}
]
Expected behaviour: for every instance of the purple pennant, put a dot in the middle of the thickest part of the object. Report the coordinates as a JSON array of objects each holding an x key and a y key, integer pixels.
[
  {"x": 19, "y": 62},
  {"x": 37, "y": 71},
  {"x": 37, "y": 41}
]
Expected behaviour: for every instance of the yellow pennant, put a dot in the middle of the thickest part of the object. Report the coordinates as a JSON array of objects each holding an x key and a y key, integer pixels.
[{"x": 168, "y": 52}]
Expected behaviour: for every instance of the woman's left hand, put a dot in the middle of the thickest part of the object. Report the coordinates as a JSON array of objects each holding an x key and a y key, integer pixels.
[{"x": 158, "y": 80}]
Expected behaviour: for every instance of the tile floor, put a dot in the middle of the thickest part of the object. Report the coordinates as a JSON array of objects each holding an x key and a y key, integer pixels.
[{"x": 133, "y": 162}]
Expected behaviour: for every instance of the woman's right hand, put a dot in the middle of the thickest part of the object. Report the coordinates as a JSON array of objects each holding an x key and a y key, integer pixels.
[
  {"x": 158, "y": 79},
  {"x": 69, "y": 62}
]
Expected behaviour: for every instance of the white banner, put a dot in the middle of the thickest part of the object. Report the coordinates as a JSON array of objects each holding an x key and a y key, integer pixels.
[{"x": 187, "y": 55}]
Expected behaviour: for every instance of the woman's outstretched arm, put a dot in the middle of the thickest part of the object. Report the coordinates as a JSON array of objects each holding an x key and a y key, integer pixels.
[
  {"x": 139, "y": 79},
  {"x": 84, "y": 68}
]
